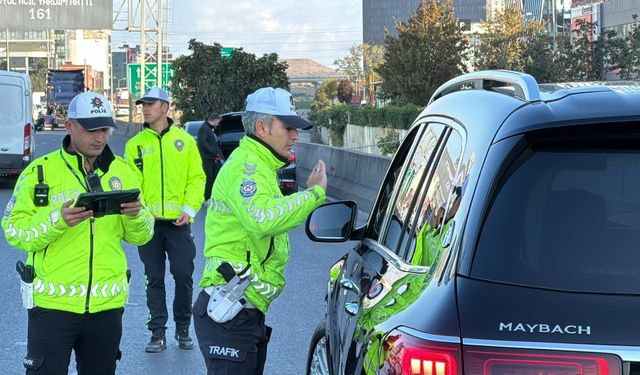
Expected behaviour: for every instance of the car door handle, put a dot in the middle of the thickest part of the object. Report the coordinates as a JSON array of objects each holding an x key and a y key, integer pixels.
[
  {"x": 349, "y": 285},
  {"x": 352, "y": 308},
  {"x": 4, "y": 149}
]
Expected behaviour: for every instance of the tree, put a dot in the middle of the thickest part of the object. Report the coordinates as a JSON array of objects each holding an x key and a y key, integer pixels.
[
  {"x": 630, "y": 58},
  {"x": 361, "y": 64},
  {"x": 345, "y": 91},
  {"x": 543, "y": 62},
  {"x": 326, "y": 94},
  {"x": 38, "y": 73},
  {"x": 351, "y": 65},
  {"x": 429, "y": 50},
  {"x": 205, "y": 83},
  {"x": 373, "y": 57},
  {"x": 505, "y": 42},
  {"x": 592, "y": 58}
]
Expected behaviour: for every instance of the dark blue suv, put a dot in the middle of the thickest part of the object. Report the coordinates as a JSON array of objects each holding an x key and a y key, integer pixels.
[{"x": 505, "y": 239}]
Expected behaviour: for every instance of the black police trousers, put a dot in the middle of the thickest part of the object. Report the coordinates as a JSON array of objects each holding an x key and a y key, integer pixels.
[
  {"x": 177, "y": 244},
  {"x": 236, "y": 347},
  {"x": 53, "y": 334},
  {"x": 210, "y": 167}
]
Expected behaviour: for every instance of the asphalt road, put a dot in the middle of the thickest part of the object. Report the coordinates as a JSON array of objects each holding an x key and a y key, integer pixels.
[{"x": 293, "y": 315}]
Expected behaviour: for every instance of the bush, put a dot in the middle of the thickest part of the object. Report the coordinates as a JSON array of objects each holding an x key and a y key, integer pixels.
[
  {"x": 396, "y": 117},
  {"x": 388, "y": 141},
  {"x": 336, "y": 117}
]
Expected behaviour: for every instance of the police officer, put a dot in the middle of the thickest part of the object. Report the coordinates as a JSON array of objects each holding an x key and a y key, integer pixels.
[
  {"x": 81, "y": 282},
  {"x": 170, "y": 167},
  {"x": 246, "y": 230},
  {"x": 209, "y": 150}
]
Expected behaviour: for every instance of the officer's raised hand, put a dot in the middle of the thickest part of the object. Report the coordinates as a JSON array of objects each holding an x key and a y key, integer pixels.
[
  {"x": 318, "y": 175},
  {"x": 131, "y": 208},
  {"x": 74, "y": 215}
]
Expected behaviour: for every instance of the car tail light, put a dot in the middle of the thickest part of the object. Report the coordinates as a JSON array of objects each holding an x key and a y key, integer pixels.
[
  {"x": 408, "y": 355},
  {"x": 291, "y": 157},
  {"x": 492, "y": 361},
  {"x": 27, "y": 140}
]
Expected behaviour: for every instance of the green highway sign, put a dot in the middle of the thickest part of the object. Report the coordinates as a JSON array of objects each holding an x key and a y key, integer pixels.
[
  {"x": 134, "y": 72},
  {"x": 226, "y": 53}
]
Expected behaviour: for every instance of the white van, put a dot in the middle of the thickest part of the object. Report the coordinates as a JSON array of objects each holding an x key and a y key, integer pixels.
[{"x": 16, "y": 123}]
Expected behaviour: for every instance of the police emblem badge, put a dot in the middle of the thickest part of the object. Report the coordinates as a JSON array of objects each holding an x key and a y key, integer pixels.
[
  {"x": 248, "y": 188},
  {"x": 179, "y": 144},
  {"x": 115, "y": 184}
]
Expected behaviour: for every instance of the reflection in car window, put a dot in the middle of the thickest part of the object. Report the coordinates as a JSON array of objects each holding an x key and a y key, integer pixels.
[
  {"x": 412, "y": 181},
  {"x": 429, "y": 222},
  {"x": 565, "y": 219},
  {"x": 393, "y": 177}
]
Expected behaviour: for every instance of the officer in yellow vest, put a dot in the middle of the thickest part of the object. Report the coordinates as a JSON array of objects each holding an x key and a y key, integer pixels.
[
  {"x": 170, "y": 167},
  {"x": 75, "y": 283}
]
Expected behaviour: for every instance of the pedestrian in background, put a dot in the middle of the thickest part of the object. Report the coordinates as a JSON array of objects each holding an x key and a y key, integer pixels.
[
  {"x": 209, "y": 151},
  {"x": 170, "y": 169},
  {"x": 246, "y": 233},
  {"x": 76, "y": 267}
]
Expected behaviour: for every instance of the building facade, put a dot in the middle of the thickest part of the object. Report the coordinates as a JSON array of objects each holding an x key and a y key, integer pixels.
[
  {"x": 618, "y": 15},
  {"x": 381, "y": 15}
]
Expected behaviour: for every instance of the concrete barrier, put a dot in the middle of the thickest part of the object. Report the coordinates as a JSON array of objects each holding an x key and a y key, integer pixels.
[{"x": 352, "y": 175}]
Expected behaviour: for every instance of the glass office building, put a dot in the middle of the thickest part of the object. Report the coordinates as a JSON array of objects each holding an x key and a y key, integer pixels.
[{"x": 378, "y": 15}]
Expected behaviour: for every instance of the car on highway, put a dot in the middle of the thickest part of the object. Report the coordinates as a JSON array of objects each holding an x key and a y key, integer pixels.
[
  {"x": 229, "y": 133},
  {"x": 504, "y": 239}
]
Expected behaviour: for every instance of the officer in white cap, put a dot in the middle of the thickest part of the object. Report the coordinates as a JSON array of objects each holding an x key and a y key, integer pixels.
[
  {"x": 170, "y": 167},
  {"x": 75, "y": 281},
  {"x": 246, "y": 234}
]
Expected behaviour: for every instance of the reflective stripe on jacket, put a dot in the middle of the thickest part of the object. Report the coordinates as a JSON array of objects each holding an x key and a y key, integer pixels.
[
  {"x": 172, "y": 175},
  {"x": 249, "y": 214},
  {"x": 76, "y": 271}
]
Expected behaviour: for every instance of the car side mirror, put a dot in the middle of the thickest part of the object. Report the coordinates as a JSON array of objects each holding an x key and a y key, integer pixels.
[{"x": 332, "y": 222}]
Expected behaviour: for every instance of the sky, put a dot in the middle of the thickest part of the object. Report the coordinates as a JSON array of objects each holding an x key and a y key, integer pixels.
[{"x": 322, "y": 30}]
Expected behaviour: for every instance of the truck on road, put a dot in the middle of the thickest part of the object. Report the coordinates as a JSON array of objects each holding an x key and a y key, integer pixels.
[{"x": 62, "y": 86}]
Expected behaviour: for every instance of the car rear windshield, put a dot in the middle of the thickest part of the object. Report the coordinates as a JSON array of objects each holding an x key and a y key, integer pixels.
[{"x": 567, "y": 219}]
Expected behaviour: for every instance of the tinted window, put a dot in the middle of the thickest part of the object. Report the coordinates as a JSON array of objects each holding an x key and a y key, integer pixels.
[
  {"x": 565, "y": 219},
  {"x": 411, "y": 186}
]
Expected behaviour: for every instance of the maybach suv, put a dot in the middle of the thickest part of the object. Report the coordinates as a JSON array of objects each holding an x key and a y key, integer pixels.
[{"x": 505, "y": 239}]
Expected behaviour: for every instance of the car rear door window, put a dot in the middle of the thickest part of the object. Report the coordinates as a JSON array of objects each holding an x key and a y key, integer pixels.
[{"x": 565, "y": 219}]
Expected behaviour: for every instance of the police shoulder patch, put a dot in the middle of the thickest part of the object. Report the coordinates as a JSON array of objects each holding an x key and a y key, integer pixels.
[
  {"x": 115, "y": 184},
  {"x": 248, "y": 188},
  {"x": 179, "y": 144}
]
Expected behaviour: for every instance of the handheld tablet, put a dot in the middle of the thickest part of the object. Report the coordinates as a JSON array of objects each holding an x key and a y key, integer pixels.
[{"x": 106, "y": 203}]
